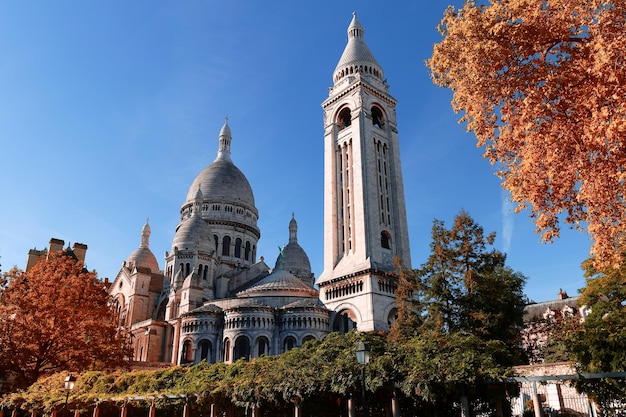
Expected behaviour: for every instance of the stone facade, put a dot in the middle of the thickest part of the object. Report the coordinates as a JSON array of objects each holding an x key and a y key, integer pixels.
[{"x": 215, "y": 301}]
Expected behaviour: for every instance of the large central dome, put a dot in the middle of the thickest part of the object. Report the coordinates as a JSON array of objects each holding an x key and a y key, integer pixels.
[{"x": 222, "y": 181}]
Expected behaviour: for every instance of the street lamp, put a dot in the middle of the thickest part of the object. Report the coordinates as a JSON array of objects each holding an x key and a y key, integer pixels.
[
  {"x": 69, "y": 386},
  {"x": 363, "y": 358}
]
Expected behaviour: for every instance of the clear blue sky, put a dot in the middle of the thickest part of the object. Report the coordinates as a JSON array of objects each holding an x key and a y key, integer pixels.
[{"x": 110, "y": 109}]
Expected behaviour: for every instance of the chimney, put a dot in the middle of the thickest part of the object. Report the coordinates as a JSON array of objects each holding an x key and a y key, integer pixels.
[
  {"x": 80, "y": 249},
  {"x": 56, "y": 245},
  {"x": 562, "y": 294}
]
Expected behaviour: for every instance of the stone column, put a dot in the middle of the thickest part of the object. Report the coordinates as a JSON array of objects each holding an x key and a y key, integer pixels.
[
  {"x": 395, "y": 405},
  {"x": 351, "y": 411},
  {"x": 465, "y": 412},
  {"x": 536, "y": 401}
]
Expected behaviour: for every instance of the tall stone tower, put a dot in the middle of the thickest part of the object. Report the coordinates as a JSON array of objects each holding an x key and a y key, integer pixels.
[{"x": 365, "y": 225}]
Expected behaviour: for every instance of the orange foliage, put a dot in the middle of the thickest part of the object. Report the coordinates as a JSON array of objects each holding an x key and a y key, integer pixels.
[
  {"x": 54, "y": 318},
  {"x": 542, "y": 86}
]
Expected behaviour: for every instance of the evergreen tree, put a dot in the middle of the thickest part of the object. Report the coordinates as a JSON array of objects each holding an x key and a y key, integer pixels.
[{"x": 471, "y": 310}]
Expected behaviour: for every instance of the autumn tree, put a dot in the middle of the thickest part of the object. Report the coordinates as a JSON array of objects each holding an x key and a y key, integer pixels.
[
  {"x": 541, "y": 85},
  {"x": 470, "y": 314},
  {"x": 55, "y": 317}
]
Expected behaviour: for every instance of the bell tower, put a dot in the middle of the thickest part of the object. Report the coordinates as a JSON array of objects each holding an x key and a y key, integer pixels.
[{"x": 365, "y": 224}]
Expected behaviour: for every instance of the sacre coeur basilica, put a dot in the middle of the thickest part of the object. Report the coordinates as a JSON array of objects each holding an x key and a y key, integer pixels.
[{"x": 215, "y": 301}]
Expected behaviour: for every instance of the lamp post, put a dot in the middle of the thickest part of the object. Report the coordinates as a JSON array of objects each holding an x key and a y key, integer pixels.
[
  {"x": 69, "y": 386},
  {"x": 363, "y": 358}
]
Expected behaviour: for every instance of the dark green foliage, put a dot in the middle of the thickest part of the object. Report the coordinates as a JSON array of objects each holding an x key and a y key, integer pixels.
[
  {"x": 598, "y": 344},
  {"x": 468, "y": 308}
]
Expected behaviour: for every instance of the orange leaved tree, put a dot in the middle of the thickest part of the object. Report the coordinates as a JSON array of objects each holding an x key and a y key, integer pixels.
[
  {"x": 55, "y": 317},
  {"x": 542, "y": 86}
]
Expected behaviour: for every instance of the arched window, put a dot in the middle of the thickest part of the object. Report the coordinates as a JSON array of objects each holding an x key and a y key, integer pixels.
[
  {"x": 206, "y": 350},
  {"x": 377, "y": 117},
  {"x": 263, "y": 346},
  {"x": 289, "y": 343},
  {"x": 187, "y": 353},
  {"x": 227, "y": 350},
  {"x": 308, "y": 338},
  {"x": 344, "y": 119},
  {"x": 242, "y": 348},
  {"x": 217, "y": 242},
  {"x": 385, "y": 239},
  {"x": 247, "y": 252},
  {"x": 344, "y": 321},
  {"x": 237, "y": 248},
  {"x": 226, "y": 246}
]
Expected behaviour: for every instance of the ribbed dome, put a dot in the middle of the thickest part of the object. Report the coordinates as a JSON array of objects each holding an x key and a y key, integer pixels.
[
  {"x": 193, "y": 232},
  {"x": 280, "y": 282},
  {"x": 222, "y": 181},
  {"x": 143, "y": 256},
  {"x": 356, "y": 53}
]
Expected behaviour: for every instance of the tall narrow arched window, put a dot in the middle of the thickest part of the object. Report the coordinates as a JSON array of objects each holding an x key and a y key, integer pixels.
[
  {"x": 237, "y": 248},
  {"x": 187, "y": 353},
  {"x": 217, "y": 242},
  {"x": 226, "y": 246},
  {"x": 206, "y": 350},
  {"x": 385, "y": 239},
  {"x": 242, "y": 348},
  {"x": 263, "y": 346},
  {"x": 227, "y": 350},
  {"x": 377, "y": 117},
  {"x": 247, "y": 251}
]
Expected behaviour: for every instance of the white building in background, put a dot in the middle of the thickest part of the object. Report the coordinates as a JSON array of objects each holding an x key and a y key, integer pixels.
[{"x": 215, "y": 301}]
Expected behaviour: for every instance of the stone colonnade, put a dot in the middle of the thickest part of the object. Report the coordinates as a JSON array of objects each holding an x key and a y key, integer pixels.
[{"x": 254, "y": 412}]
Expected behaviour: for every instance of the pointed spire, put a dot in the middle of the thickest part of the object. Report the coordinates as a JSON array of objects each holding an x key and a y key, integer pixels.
[
  {"x": 145, "y": 235},
  {"x": 198, "y": 201},
  {"x": 355, "y": 30},
  {"x": 293, "y": 229},
  {"x": 357, "y": 57},
  {"x": 225, "y": 138}
]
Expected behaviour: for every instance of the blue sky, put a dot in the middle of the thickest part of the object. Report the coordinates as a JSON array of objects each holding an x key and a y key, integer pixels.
[{"x": 110, "y": 109}]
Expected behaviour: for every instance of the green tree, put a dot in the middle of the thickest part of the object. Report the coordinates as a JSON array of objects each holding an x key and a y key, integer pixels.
[
  {"x": 598, "y": 344},
  {"x": 470, "y": 315},
  {"x": 55, "y": 317}
]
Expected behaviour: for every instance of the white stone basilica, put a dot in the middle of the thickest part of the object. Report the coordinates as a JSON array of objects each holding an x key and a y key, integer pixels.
[{"x": 216, "y": 301}]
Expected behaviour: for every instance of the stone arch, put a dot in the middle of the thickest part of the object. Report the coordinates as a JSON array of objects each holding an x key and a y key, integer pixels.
[
  {"x": 205, "y": 348},
  {"x": 241, "y": 348},
  {"x": 344, "y": 118},
  {"x": 345, "y": 319}
]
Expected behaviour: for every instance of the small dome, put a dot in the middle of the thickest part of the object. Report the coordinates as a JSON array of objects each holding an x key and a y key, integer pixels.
[
  {"x": 292, "y": 257},
  {"x": 280, "y": 282},
  {"x": 143, "y": 256},
  {"x": 193, "y": 232}
]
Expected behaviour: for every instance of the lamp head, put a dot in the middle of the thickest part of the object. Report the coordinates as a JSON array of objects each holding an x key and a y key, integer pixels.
[
  {"x": 362, "y": 353},
  {"x": 69, "y": 382}
]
